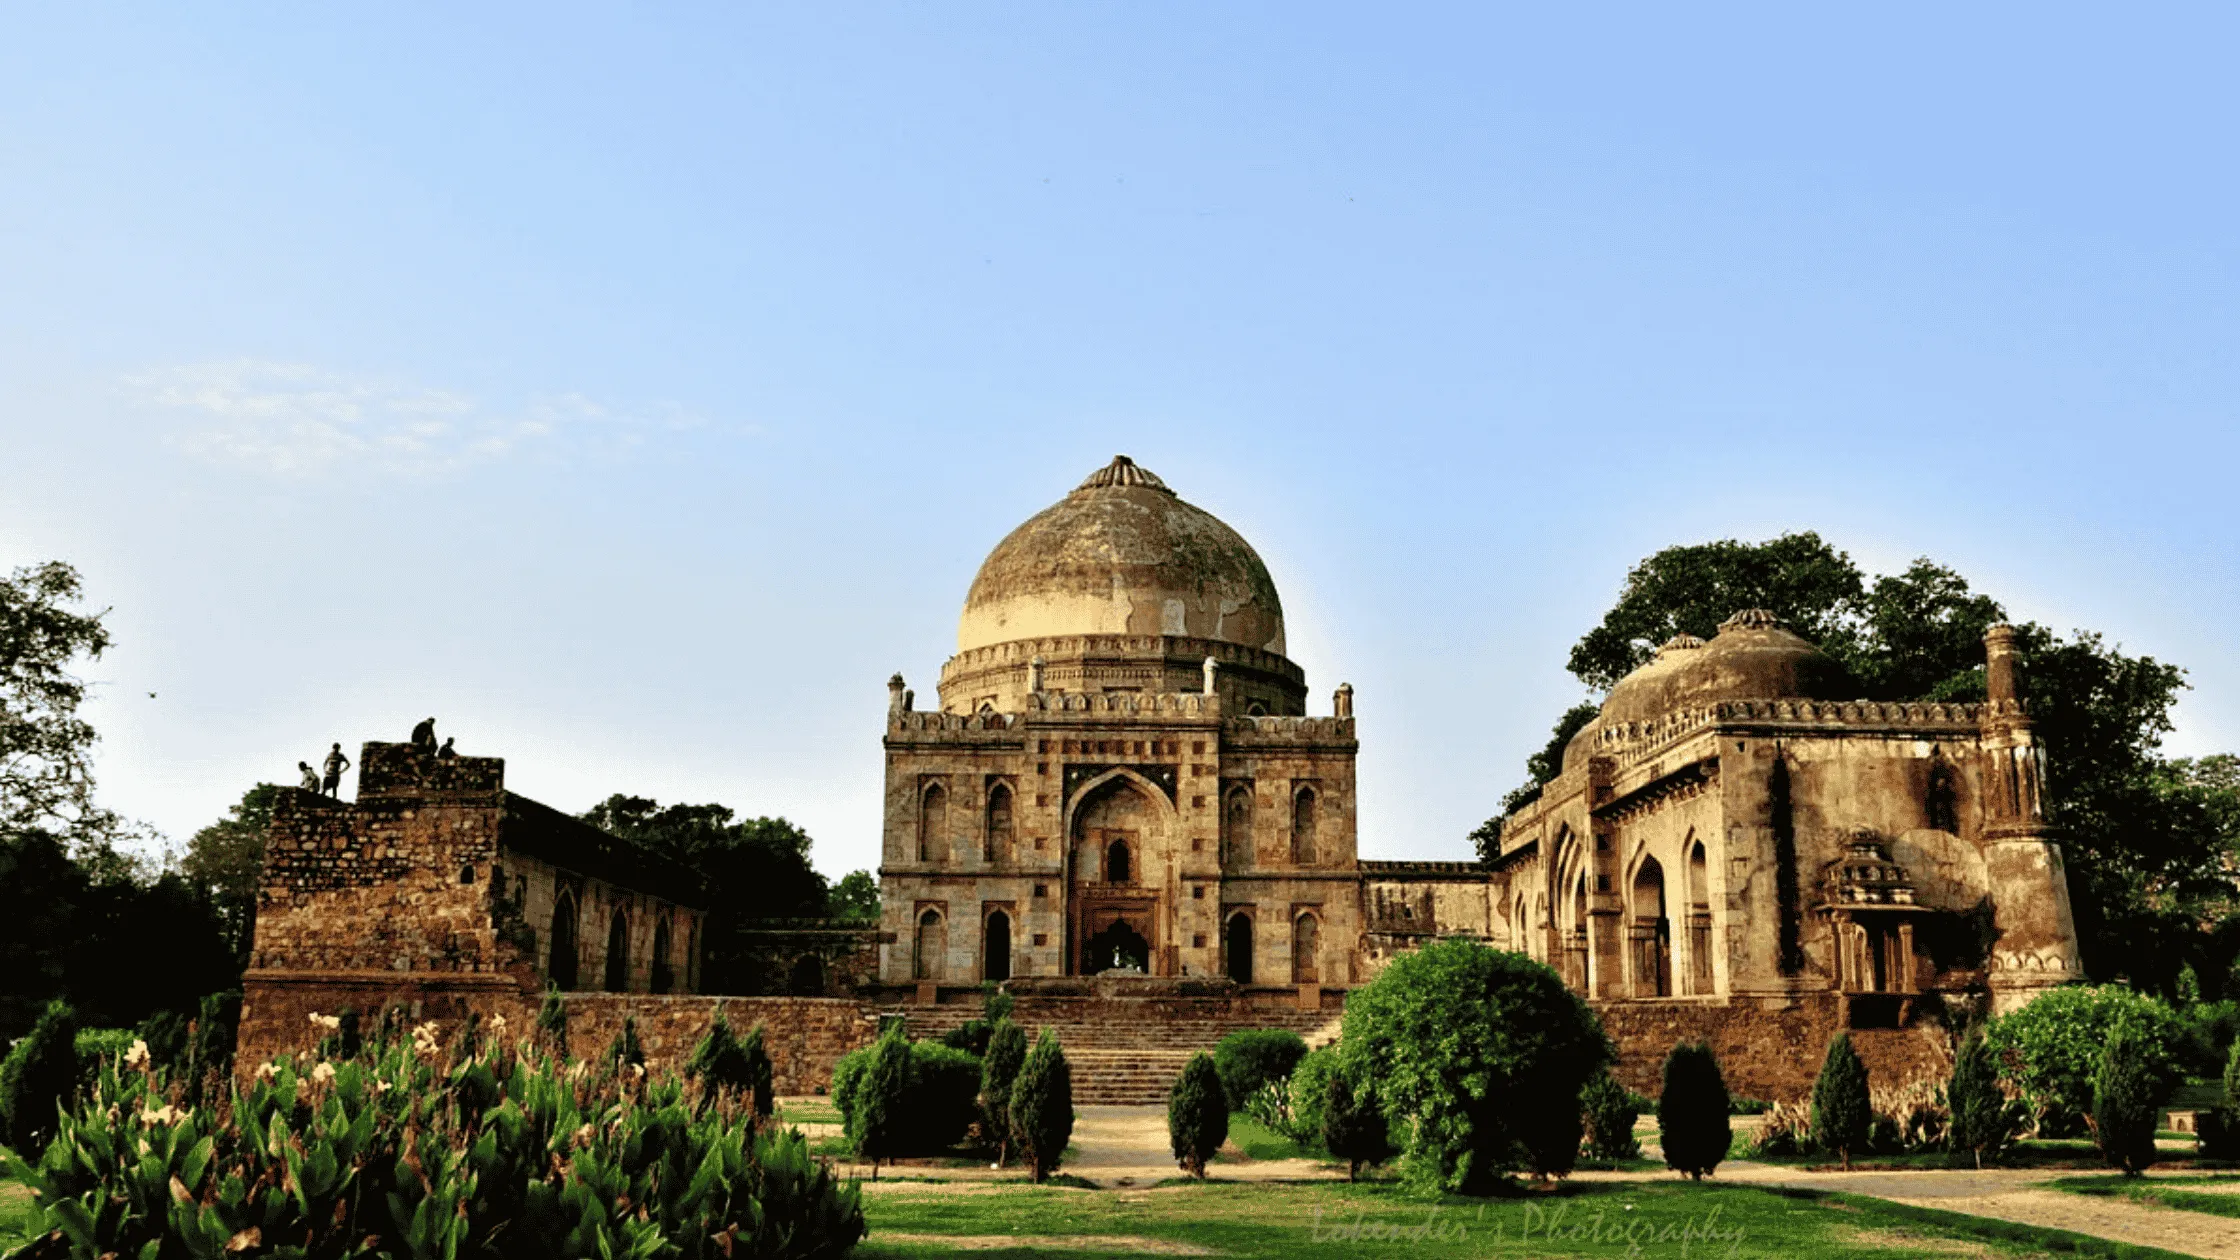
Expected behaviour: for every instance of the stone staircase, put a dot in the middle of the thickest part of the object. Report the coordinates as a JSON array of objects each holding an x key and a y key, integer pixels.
[{"x": 1128, "y": 1051}]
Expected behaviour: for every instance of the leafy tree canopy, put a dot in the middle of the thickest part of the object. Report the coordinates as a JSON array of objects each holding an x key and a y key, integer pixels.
[
  {"x": 754, "y": 868},
  {"x": 856, "y": 896},
  {"x": 46, "y": 781},
  {"x": 227, "y": 859}
]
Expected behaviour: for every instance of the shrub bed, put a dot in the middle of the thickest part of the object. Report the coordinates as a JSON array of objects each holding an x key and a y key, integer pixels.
[{"x": 427, "y": 1146}]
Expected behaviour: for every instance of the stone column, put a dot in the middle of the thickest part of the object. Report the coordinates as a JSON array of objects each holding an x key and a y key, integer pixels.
[
  {"x": 1606, "y": 943},
  {"x": 2036, "y": 947}
]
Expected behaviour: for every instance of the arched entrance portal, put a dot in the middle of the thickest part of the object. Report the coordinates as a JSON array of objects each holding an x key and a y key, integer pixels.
[
  {"x": 1239, "y": 937},
  {"x": 997, "y": 965},
  {"x": 1119, "y": 947},
  {"x": 1118, "y": 871}
]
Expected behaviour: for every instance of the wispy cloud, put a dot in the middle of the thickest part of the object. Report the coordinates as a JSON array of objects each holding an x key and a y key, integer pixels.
[{"x": 296, "y": 419}]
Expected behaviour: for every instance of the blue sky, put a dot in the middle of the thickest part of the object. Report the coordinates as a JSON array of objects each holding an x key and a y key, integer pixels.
[{"x": 636, "y": 388}]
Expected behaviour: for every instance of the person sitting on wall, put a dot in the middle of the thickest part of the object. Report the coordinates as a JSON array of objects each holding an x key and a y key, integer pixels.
[
  {"x": 336, "y": 764},
  {"x": 424, "y": 736},
  {"x": 446, "y": 752},
  {"x": 310, "y": 776}
]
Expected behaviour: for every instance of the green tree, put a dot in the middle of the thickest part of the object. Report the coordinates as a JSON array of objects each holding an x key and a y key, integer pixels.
[
  {"x": 1692, "y": 1123},
  {"x": 880, "y": 1120},
  {"x": 2128, "y": 1090},
  {"x": 624, "y": 1051},
  {"x": 723, "y": 1062},
  {"x": 999, "y": 1068},
  {"x": 1197, "y": 1115},
  {"x": 1475, "y": 1051},
  {"x": 1984, "y": 1120},
  {"x": 39, "y": 1075},
  {"x": 1353, "y": 1128},
  {"x": 2050, "y": 1048},
  {"x": 226, "y": 860},
  {"x": 2220, "y": 1125},
  {"x": 1610, "y": 1116},
  {"x": 856, "y": 896},
  {"x": 1842, "y": 1111},
  {"x": 1042, "y": 1106},
  {"x": 46, "y": 774}
]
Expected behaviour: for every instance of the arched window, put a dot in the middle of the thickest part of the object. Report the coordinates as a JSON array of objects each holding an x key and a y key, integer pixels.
[
  {"x": 618, "y": 953},
  {"x": 560, "y": 967},
  {"x": 466, "y": 873},
  {"x": 1116, "y": 865},
  {"x": 1306, "y": 944},
  {"x": 996, "y": 937},
  {"x": 1650, "y": 933},
  {"x": 999, "y": 824},
  {"x": 807, "y": 977},
  {"x": 1302, "y": 827},
  {"x": 933, "y": 825},
  {"x": 1236, "y": 827},
  {"x": 1699, "y": 921},
  {"x": 663, "y": 978},
  {"x": 1239, "y": 938},
  {"x": 931, "y": 943}
]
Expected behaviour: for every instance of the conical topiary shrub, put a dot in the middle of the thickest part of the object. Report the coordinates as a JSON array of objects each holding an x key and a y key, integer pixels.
[
  {"x": 1842, "y": 1113},
  {"x": 2127, "y": 1096},
  {"x": 1042, "y": 1106},
  {"x": 39, "y": 1075},
  {"x": 878, "y": 1119},
  {"x": 1984, "y": 1119},
  {"x": 1610, "y": 1114},
  {"x": 1007, "y": 1049},
  {"x": 1197, "y": 1115},
  {"x": 721, "y": 1062},
  {"x": 1692, "y": 1111}
]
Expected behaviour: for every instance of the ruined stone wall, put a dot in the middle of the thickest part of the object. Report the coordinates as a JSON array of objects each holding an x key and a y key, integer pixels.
[
  {"x": 804, "y": 1036},
  {"x": 396, "y": 881},
  {"x": 1772, "y": 1054}
]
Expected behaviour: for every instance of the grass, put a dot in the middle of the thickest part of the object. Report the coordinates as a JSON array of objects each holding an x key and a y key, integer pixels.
[
  {"x": 2159, "y": 1192},
  {"x": 1340, "y": 1220},
  {"x": 15, "y": 1207},
  {"x": 1258, "y": 1141}
]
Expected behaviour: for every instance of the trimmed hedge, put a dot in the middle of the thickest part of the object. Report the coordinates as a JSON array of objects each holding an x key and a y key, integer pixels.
[{"x": 1252, "y": 1057}]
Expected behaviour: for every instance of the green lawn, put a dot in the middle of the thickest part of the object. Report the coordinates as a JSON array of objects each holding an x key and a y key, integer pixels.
[
  {"x": 1258, "y": 1141},
  {"x": 2169, "y": 1192},
  {"x": 1288, "y": 1221}
]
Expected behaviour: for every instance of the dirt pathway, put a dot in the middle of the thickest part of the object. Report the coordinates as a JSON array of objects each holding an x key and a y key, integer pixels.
[
  {"x": 2017, "y": 1195},
  {"x": 1127, "y": 1146}
]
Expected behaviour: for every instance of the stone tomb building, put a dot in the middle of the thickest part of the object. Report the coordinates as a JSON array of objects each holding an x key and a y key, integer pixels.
[{"x": 1120, "y": 777}]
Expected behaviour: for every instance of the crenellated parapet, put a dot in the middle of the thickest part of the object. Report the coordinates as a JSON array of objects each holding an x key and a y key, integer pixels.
[{"x": 1271, "y": 731}]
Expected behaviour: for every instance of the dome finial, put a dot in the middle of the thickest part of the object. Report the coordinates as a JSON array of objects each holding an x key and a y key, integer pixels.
[
  {"x": 1750, "y": 619},
  {"x": 1122, "y": 471}
]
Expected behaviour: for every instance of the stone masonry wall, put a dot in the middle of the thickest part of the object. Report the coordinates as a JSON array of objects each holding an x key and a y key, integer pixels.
[
  {"x": 1769, "y": 1054},
  {"x": 805, "y": 1036}
]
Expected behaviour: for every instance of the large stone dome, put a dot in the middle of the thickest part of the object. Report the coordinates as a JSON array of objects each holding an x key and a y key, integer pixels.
[
  {"x": 1753, "y": 657},
  {"x": 1123, "y": 555}
]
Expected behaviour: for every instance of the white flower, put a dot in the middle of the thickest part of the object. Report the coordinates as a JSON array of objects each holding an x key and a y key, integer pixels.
[
  {"x": 323, "y": 1073},
  {"x": 328, "y": 1022},
  {"x": 637, "y": 1071},
  {"x": 426, "y": 1037},
  {"x": 267, "y": 1071},
  {"x": 498, "y": 1023},
  {"x": 583, "y": 1136},
  {"x": 137, "y": 1056},
  {"x": 166, "y": 1114}
]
